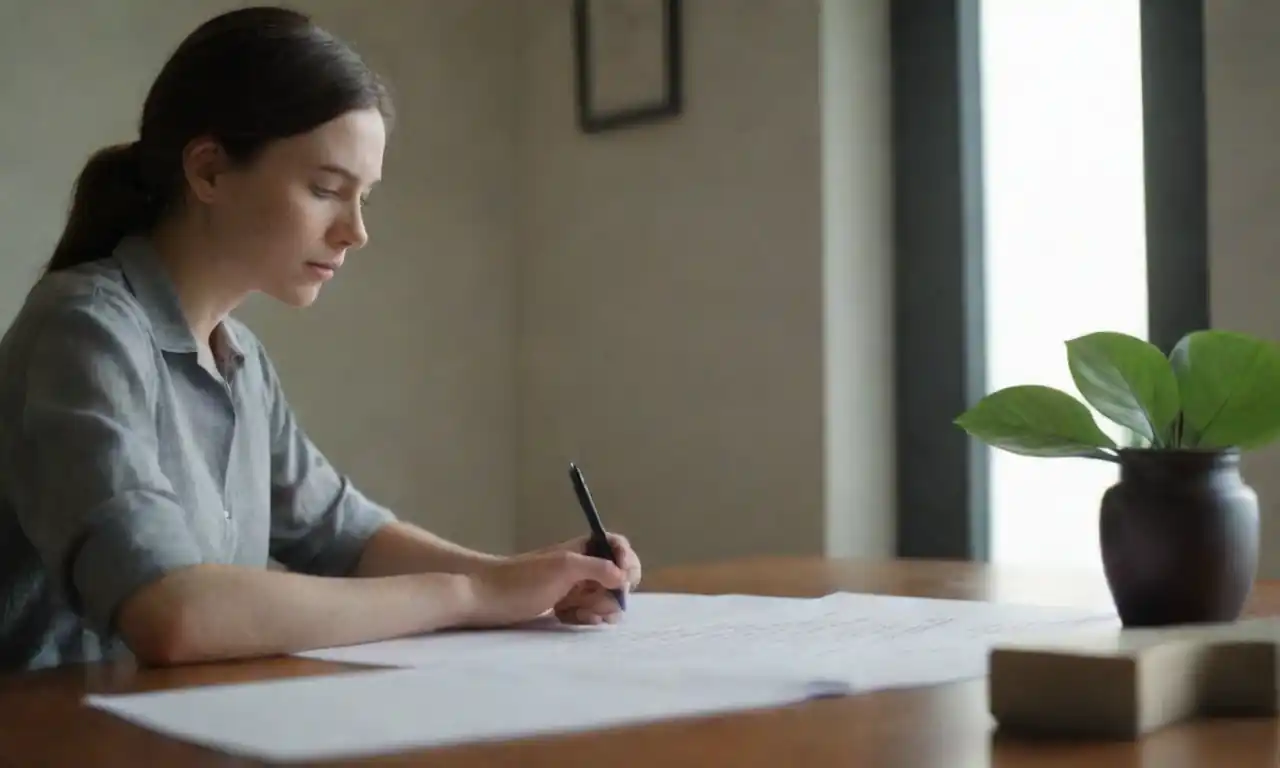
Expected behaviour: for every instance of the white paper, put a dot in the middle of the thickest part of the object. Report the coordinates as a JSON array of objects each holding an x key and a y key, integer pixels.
[
  {"x": 858, "y": 641},
  {"x": 365, "y": 714},
  {"x": 672, "y": 656}
]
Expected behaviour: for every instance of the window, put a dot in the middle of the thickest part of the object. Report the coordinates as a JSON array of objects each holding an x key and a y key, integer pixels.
[{"x": 1065, "y": 239}]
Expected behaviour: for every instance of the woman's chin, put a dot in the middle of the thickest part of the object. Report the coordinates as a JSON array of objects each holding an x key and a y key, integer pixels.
[{"x": 299, "y": 295}]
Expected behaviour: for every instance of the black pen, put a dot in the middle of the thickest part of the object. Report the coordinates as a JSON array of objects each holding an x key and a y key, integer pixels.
[{"x": 598, "y": 544}]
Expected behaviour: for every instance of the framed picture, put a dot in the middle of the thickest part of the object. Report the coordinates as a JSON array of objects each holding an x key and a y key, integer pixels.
[{"x": 627, "y": 58}]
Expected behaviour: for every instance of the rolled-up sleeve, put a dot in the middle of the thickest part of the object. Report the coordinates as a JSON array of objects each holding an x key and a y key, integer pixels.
[
  {"x": 88, "y": 489},
  {"x": 320, "y": 522}
]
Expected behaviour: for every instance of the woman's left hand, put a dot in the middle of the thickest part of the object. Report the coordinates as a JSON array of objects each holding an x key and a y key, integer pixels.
[{"x": 588, "y": 602}]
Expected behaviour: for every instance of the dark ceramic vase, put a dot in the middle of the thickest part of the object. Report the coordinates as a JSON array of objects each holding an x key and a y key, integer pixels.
[{"x": 1179, "y": 534}]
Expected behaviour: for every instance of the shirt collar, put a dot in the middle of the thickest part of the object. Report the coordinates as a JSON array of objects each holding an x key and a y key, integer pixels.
[{"x": 155, "y": 291}]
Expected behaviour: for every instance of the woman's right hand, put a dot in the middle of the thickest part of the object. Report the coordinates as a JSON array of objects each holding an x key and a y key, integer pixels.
[{"x": 527, "y": 586}]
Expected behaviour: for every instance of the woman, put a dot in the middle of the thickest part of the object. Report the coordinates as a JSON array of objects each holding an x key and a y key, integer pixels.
[{"x": 150, "y": 466}]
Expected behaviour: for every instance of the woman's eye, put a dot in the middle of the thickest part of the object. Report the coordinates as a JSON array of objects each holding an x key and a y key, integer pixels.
[{"x": 322, "y": 192}]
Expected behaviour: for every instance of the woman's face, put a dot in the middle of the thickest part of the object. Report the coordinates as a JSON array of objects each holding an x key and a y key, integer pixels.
[{"x": 286, "y": 221}]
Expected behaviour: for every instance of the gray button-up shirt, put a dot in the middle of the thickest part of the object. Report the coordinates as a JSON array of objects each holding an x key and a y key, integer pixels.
[{"x": 123, "y": 458}]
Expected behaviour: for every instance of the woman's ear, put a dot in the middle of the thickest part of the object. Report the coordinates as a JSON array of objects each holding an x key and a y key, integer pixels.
[{"x": 204, "y": 162}]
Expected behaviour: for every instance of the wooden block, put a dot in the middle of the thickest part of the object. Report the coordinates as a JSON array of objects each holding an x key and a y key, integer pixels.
[{"x": 1123, "y": 683}]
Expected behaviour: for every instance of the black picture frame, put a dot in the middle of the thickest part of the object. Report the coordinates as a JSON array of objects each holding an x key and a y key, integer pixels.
[{"x": 669, "y": 103}]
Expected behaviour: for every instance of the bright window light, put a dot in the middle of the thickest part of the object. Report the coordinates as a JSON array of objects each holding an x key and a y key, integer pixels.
[{"x": 1065, "y": 241}]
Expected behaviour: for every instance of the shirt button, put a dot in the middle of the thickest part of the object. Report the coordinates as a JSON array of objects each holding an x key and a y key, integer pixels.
[{"x": 226, "y": 514}]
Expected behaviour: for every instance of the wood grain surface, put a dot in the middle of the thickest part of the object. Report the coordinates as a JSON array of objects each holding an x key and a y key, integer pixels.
[{"x": 43, "y": 723}]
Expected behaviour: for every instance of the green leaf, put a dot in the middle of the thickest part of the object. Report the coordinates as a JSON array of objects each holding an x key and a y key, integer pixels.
[
  {"x": 1128, "y": 381},
  {"x": 1229, "y": 384},
  {"x": 1034, "y": 420}
]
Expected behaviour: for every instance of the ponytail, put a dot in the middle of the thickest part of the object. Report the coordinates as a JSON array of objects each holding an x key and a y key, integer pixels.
[{"x": 109, "y": 202}]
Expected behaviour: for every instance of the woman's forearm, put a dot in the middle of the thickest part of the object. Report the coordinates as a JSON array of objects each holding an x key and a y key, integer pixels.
[
  {"x": 215, "y": 612},
  {"x": 401, "y": 548}
]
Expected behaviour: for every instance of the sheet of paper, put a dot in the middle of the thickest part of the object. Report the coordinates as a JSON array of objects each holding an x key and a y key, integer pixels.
[
  {"x": 370, "y": 713},
  {"x": 856, "y": 641},
  {"x": 672, "y": 656}
]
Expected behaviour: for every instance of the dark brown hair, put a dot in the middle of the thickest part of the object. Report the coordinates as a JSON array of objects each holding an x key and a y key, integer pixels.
[{"x": 244, "y": 79}]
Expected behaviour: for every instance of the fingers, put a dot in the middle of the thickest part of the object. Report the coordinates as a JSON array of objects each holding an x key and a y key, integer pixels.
[
  {"x": 584, "y": 616},
  {"x": 587, "y": 568},
  {"x": 601, "y": 603},
  {"x": 628, "y": 561},
  {"x": 587, "y": 599},
  {"x": 591, "y": 596},
  {"x": 625, "y": 555},
  {"x": 588, "y": 603},
  {"x": 571, "y": 614}
]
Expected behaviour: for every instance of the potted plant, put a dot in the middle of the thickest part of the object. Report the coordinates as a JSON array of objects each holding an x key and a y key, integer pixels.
[{"x": 1179, "y": 529}]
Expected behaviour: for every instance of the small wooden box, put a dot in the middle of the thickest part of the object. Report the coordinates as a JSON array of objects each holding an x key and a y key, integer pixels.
[{"x": 1123, "y": 683}]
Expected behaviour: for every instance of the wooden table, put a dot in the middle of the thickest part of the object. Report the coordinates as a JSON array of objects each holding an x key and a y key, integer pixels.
[{"x": 43, "y": 723}]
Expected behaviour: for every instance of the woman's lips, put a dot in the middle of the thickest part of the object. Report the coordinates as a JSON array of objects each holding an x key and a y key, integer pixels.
[{"x": 321, "y": 269}]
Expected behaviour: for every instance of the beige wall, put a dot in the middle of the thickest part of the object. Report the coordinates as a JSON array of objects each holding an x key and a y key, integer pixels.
[
  {"x": 1243, "y": 79},
  {"x": 696, "y": 311},
  {"x": 674, "y": 332}
]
